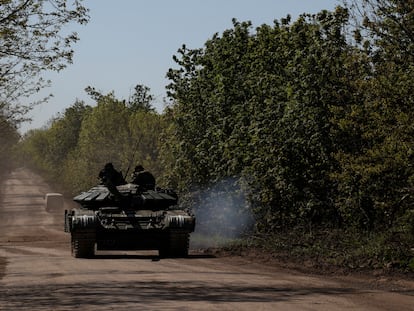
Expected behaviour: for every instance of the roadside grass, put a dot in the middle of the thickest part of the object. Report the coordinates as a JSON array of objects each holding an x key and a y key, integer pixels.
[
  {"x": 207, "y": 241},
  {"x": 331, "y": 249}
]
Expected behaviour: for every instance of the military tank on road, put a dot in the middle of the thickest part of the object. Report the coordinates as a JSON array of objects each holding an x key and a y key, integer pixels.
[{"x": 129, "y": 217}]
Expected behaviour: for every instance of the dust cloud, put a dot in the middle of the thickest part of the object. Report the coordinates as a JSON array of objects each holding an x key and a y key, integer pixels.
[{"x": 222, "y": 214}]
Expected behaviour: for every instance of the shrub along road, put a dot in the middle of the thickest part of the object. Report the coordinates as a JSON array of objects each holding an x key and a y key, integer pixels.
[{"x": 37, "y": 272}]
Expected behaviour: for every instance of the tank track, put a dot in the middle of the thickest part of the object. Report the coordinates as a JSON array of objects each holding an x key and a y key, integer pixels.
[
  {"x": 176, "y": 244},
  {"x": 83, "y": 245}
]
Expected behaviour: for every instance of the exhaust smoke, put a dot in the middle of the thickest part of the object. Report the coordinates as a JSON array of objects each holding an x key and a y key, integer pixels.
[{"x": 222, "y": 214}]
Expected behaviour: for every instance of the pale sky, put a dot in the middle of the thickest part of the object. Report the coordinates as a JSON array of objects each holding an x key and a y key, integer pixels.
[{"x": 130, "y": 42}]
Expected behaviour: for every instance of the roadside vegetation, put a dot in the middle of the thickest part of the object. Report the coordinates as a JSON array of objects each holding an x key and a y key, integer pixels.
[{"x": 304, "y": 127}]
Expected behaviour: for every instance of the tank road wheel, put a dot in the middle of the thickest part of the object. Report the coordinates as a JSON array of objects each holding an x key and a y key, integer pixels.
[
  {"x": 175, "y": 245},
  {"x": 83, "y": 248}
]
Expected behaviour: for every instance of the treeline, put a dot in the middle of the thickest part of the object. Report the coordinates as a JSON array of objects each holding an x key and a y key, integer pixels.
[
  {"x": 77, "y": 144},
  {"x": 311, "y": 119}
]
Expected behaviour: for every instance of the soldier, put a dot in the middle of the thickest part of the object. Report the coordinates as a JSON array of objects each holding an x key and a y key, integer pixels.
[
  {"x": 143, "y": 178},
  {"x": 109, "y": 175}
]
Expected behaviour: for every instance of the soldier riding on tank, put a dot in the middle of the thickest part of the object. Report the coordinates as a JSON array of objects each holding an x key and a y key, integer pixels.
[
  {"x": 111, "y": 178},
  {"x": 109, "y": 175},
  {"x": 143, "y": 178}
]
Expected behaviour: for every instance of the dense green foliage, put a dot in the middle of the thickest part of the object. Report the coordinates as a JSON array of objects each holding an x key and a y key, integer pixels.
[
  {"x": 375, "y": 182},
  {"x": 318, "y": 130},
  {"x": 304, "y": 125},
  {"x": 258, "y": 107},
  {"x": 48, "y": 149}
]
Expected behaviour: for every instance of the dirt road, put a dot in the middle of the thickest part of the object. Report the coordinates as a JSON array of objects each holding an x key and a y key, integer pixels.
[{"x": 37, "y": 272}]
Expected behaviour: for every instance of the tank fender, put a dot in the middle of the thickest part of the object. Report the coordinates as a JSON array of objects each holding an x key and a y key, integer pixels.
[
  {"x": 81, "y": 221},
  {"x": 181, "y": 221}
]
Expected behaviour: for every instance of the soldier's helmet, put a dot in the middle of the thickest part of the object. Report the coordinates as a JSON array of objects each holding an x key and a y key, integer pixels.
[
  {"x": 109, "y": 165},
  {"x": 139, "y": 168}
]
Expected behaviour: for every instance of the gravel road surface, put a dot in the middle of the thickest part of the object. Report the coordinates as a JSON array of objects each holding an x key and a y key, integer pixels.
[{"x": 37, "y": 272}]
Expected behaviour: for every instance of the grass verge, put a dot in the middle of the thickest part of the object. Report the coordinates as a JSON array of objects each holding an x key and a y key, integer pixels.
[{"x": 327, "y": 250}]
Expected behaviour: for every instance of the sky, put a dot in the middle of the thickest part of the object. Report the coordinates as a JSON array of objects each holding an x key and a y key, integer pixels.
[{"x": 130, "y": 42}]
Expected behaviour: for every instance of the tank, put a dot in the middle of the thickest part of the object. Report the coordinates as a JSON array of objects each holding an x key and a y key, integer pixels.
[{"x": 128, "y": 217}]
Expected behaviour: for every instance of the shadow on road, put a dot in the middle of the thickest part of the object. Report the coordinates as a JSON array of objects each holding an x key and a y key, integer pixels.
[
  {"x": 148, "y": 257},
  {"x": 152, "y": 294}
]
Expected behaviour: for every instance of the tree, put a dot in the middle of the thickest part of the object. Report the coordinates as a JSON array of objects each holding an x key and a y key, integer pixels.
[
  {"x": 63, "y": 137},
  {"x": 8, "y": 139},
  {"x": 257, "y": 106},
  {"x": 376, "y": 177},
  {"x": 210, "y": 90},
  {"x": 78, "y": 142},
  {"x": 32, "y": 40},
  {"x": 385, "y": 26},
  {"x": 104, "y": 137},
  {"x": 31, "y": 150},
  {"x": 141, "y": 99},
  {"x": 114, "y": 131}
]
